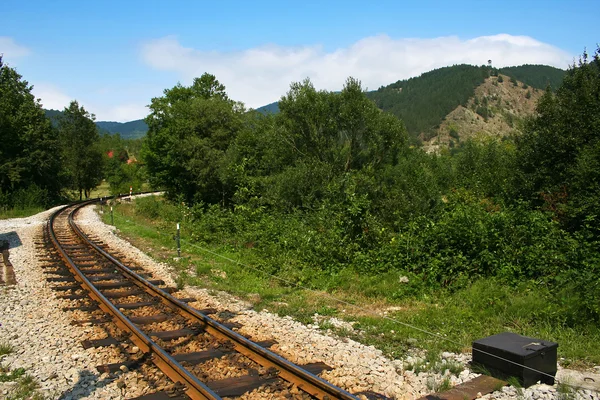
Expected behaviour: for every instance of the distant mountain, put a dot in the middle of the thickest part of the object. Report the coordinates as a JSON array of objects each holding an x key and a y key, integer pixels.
[
  {"x": 424, "y": 102},
  {"x": 128, "y": 130},
  {"x": 496, "y": 109},
  {"x": 538, "y": 76},
  {"x": 272, "y": 108}
]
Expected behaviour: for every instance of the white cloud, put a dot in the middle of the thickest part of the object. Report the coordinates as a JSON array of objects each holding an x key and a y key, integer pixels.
[
  {"x": 11, "y": 50},
  {"x": 261, "y": 75},
  {"x": 51, "y": 96},
  {"x": 120, "y": 113}
]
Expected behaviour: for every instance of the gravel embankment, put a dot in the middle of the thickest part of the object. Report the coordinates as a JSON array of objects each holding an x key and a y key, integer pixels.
[{"x": 54, "y": 356}]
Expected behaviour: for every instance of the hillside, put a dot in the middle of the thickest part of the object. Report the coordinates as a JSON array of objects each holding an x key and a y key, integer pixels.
[
  {"x": 128, "y": 130},
  {"x": 495, "y": 110},
  {"x": 272, "y": 108},
  {"x": 538, "y": 76},
  {"x": 423, "y": 102}
]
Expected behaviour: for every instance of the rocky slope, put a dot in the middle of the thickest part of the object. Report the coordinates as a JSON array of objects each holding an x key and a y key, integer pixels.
[{"x": 497, "y": 109}]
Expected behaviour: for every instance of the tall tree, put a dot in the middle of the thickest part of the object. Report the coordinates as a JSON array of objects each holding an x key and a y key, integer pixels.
[
  {"x": 29, "y": 148},
  {"x": 81, "y": 154},
  {"x": 559, "y": 149},
  {"x": 189, "y": 130},
  {"x": 344, "y": 129}
]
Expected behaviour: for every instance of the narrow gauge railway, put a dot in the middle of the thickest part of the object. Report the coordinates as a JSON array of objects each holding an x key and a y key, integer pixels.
[{"x": 167, "y": 331}]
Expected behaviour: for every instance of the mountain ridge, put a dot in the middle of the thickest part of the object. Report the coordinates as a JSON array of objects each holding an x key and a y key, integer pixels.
[
  {"x": 128, "y": 130},
  {"x": 422, "y": 102}
]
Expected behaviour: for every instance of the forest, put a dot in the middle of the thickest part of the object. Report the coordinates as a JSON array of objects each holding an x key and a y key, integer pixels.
[
  {"x": 332, "y": 186},
  {"x": 330, "y": 183}
]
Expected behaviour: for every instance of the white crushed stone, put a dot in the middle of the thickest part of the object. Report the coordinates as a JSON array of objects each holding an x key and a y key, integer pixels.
[
  {"x": 44, "y": 342},
  {"x": 56, "y": 359}
]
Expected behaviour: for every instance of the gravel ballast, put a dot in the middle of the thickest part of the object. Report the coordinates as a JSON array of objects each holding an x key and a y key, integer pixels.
[{"x": 53, "y": 354}]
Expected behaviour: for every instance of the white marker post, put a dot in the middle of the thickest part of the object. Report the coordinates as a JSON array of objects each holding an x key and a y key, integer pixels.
[
  {"x": 130, "y": 192},
  {"x": 178, "y": 242}
]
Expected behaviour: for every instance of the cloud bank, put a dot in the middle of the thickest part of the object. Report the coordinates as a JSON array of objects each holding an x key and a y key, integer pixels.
[
  {"x": 261, "y": 75},
  {"x": 10, "y": 50}
]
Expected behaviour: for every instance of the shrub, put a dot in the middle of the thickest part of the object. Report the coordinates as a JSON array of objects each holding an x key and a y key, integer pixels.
[{"x": 454, "y": 133}]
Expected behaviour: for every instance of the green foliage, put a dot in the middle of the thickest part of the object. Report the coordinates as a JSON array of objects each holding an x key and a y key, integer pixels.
[
  {"x": 190, "y": 128},
  {"x": 483, "y": 112},
  {"x": 558, "y": 150},
  {"x": 29, "y": 156},
  {"x": 500, "y": 79},
  {"x": 5, "y": 348},
  {"x": 326, "y": 193},
  {"x": 12, "y": 376},
  {"x": 127, "y": 130},
  {"x": 537, "y": 76},
  {"x": 121, "y": 168},
  {"x": 423, "y": 101},
  {"x": 454, "y": 133},
  {"x": 344, "y": 130},
  {"x": 79, "y": 144}
]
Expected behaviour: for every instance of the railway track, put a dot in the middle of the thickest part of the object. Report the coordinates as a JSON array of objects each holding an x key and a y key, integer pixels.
[{"x": 163, "y": 328}]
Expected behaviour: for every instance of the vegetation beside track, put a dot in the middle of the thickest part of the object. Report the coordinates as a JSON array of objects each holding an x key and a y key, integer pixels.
[
  {"x": 22, "y": 386},
  {"x": 495, "y": 235},
  {"x": 483, "y": 307}
]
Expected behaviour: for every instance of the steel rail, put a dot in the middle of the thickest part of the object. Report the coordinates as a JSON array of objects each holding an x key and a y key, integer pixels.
[
  {"x": 287, "y": 370},
  {"x": 196, "y": 389}
]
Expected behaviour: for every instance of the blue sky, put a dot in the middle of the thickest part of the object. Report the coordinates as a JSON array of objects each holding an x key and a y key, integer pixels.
[{"x": 113, "y": 57}]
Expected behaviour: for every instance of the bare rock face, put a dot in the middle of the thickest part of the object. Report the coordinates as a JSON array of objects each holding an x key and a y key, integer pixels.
[{"x": 495, "y": 111}]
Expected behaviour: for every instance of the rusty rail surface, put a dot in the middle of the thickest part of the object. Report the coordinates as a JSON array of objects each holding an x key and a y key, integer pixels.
[{"x": 195, "y": 389}]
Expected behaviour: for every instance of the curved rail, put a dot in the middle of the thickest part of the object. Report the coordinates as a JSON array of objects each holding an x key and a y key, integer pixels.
[
  {"x": 174, "y": 370},
  {"x": 288, "y": 371}
]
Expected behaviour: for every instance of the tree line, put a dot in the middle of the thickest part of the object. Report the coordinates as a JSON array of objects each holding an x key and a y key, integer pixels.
[
  {"x": 332, "y": 183},
  {"x": 42, "y": 163}
]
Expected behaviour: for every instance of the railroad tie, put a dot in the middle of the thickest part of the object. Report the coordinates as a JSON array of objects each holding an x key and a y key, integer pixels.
[
  {"x": 175, "y": 334},
  {"x": 100, "y": 342},
  {"x": 150, "y": 319},
  {"x": 66, "y": 288},
  {"x": 131, "y": 306}
]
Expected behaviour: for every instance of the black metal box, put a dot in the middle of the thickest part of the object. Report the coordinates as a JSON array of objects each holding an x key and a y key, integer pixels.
[{"x": 508, "y": 354}]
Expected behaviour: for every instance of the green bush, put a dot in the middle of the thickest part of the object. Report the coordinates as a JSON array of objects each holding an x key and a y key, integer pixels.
[{"x": 26, "y": 198}]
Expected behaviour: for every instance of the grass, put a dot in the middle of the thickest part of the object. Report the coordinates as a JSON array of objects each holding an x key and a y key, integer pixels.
[
  {"x": 20, "y": 212},
  {"x": 25, "y": 385},
  {"x": 6, "y": 348},
  {"x": 380, "y": 318},
  {"x": 25, "y": 389}
]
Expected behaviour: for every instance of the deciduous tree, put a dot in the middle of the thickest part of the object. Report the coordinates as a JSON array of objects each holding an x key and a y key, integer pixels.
[
  {"x": 79, "y": 144},
  {"x": 189, "y": 130},
  {"x": 29, "y": 157}
]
